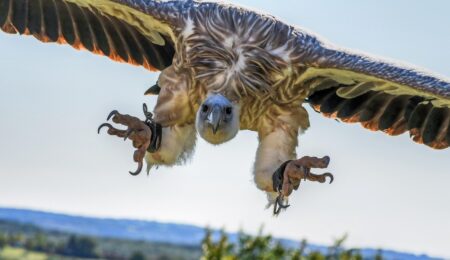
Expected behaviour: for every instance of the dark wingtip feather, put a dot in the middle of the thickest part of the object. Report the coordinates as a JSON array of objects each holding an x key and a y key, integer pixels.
[
  {"x": 413, "y": 102},
  {"x": 433, "y": 124},
  {"x": 66, "y": 22},
  {"x": 318, "y": 97},
  {"x": 99, "y": 32},
  {"x": 331, "y": 103},
  {"x": 372, "y": 107},
  {"x": 352, "y": 106},
  {"x": 418, "y": 116},
  {"x": 5, "y": 6},
  {"x": 115, "y": 37},
  {"x": 392, "y": 113},
  {"x": 133, "y": 47},
  {"x": 51, "y": 24},
  {"x": 20, "y": 15},
  {"x": 35, "y": 17}
]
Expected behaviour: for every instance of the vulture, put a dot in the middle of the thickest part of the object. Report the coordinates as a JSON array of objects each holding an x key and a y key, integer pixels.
[{"x": 225, "y": 68}]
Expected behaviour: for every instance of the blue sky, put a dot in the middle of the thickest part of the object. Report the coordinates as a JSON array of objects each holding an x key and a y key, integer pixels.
[{"x": 388, "y": 192}]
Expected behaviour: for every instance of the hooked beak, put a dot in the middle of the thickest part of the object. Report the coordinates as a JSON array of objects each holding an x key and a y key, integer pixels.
[
  {"x": 153, "y": 90},
  {"x": 214, "y": 118}
]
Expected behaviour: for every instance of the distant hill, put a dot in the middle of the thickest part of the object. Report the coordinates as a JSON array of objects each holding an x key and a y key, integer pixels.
[
  {"x": 113, "y": 228},
  {"x": 27, "y": 241},
  {"x": 152, "y": 231}
]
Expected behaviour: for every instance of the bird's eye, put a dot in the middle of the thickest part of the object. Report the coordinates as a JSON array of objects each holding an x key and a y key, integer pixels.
[
  {"x": 205, "y": 108},
  {"x": 228, "y": 110}
]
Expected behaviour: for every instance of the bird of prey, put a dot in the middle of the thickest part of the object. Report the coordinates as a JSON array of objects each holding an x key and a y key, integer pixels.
[{"x": 225, "y": 68}]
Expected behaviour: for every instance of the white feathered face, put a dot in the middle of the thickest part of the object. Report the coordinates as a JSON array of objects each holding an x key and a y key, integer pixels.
[{"x": 217, "y": 119}]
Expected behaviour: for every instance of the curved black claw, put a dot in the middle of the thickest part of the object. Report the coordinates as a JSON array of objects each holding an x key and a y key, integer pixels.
[
  {"x": 113, "y": 113},
  {"x": 139, "y": 169},
  {"x": 145, "y": 108},
  {"x": 104, "y": 125},
  {"x": 330, "y": 176},
  {"x": 278, "y": 206}
]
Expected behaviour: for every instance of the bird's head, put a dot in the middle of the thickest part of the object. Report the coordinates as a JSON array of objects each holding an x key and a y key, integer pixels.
[{"x": 217, "y": 119}]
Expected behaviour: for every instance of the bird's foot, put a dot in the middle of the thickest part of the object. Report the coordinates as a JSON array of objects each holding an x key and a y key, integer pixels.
[
  {"x": 289, "y": 175},
  {"x": 146, "y": 135}
]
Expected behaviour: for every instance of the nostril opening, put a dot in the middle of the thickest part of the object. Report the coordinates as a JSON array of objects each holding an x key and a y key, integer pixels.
[
  {"x": 228, "y": 110},
  {"x": 205, "y": 108}
]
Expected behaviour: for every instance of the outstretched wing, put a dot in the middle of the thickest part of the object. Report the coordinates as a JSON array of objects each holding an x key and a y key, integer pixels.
[
  {"x": 135, "y": 32},
  {"x": 378, "y": 94}
]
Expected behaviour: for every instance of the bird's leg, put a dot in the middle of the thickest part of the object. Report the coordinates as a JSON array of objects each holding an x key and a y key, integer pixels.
[
  {"x": 144, "y": 134},
  {"x": 289, "y": 175},
  {"x": 274, "y": 148},
  {"x": 177, "y": 145},
  {"x": 276, "y": 170}
]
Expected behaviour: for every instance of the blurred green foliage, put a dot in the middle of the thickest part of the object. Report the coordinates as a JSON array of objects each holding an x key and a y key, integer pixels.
[
  {"x": 2, "y": 241},
  {"x": 84, "y": 247},
  {"x": 137, "y": 256},
  {"x": 264, "y": 247}
]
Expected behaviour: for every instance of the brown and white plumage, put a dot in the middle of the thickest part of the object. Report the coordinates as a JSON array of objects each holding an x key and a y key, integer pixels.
[{"x": 265, "y": 68}]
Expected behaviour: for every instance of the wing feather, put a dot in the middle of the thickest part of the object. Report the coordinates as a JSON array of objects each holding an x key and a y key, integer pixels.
[
  {"x": 67, "y": 24},
  {"x": 136, "y": 32},
  {"x": 5, "y": 7},
  {"x": 34, "y": 19},
  {"x": 20, "y": 15},
  {"x": 380, "y": 95},
  {"x": 51, "y": 23},
  {"x": 392, "y": 114}
]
